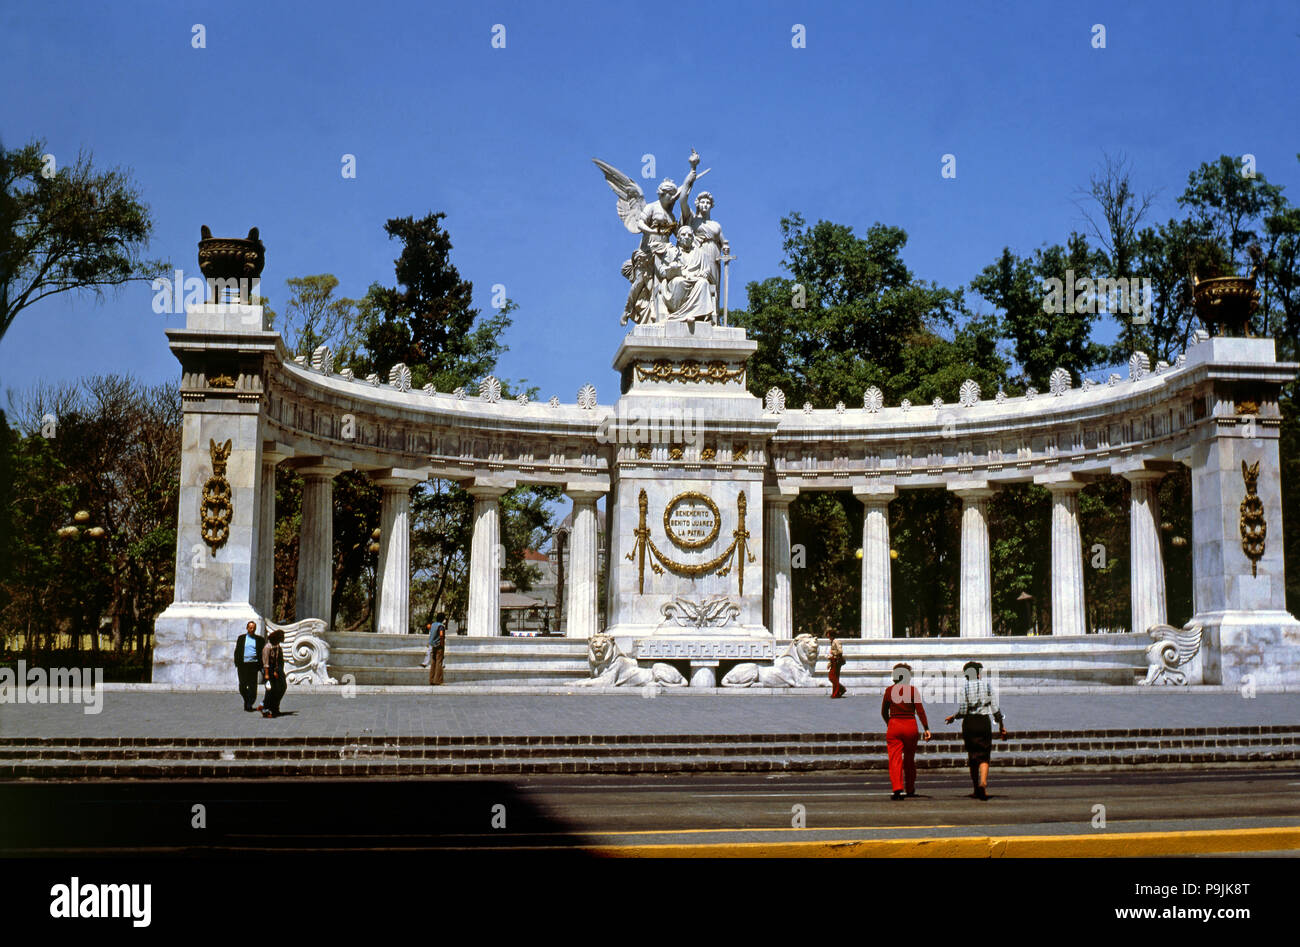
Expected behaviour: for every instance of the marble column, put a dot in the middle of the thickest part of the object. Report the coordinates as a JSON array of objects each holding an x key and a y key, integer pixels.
[
  {"x": 1068, "y": 615},
  {"x": 976, "y": 571},
  {"x": 264, "y": 573},
  {"x": 316, "y": 543},
  {"x": 484, "y": 619},
  {"x": 584, "y": 581},
  {"x": 1146, "y": 560},
  {"x": 778, "y": 597},
  {"x": 393, "y": 584},
  {"x": 877, "y": 603}
]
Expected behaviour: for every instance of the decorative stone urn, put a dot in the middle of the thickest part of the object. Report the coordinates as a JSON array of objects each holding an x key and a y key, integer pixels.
[
  {"x": 229, "y": 262},
  {"x": 1225, "y": 303}
]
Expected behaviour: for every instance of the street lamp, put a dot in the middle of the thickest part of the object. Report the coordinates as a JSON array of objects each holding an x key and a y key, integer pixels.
[{"x": 80, "y": 519}]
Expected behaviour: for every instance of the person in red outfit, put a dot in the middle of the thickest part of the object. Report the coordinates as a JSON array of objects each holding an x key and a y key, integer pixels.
[
  {"x": 900, "y": 709},
  {"x": 834, "y": 663}
]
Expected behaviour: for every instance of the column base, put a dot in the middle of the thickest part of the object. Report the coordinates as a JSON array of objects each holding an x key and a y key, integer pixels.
[
  {"x": 194, "y": 642},
  {"x": 1249, "y": 647}
]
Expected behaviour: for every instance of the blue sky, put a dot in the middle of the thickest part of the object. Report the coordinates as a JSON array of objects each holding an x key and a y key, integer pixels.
[{"x": 251, "y": 130}]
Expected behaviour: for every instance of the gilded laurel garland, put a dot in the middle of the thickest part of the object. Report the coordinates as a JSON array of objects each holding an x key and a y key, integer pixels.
[
  {"x": 737, "y": 552},
  {"x": 1253, "y": 527},
  {"x": 215, "y": 508},
  {"x": 714, "y": 372}
]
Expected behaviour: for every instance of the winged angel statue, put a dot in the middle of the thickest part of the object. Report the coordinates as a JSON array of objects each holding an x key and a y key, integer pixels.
[{"x": 671, "y": 283}]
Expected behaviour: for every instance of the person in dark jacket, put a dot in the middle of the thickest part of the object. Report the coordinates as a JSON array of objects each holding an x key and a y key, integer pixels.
[
  {"x": 900, "y": 708},
  {"x": 248, "y": 661},
  {"x": 273, "y": 668}
]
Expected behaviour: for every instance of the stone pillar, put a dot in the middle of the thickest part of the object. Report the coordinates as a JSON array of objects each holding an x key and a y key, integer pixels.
[
  {"x": 778, "y": 596},
  {"x": 484, "y": 619},
  {"x": 1068, "y": 615},
  {"x": 1146, "y": 560},
  {"x": 219, "y": 518},
  {"x": 316, "y": 542},
  {"x": 584, "y": 554},
  {"x": 264, "y": 574},
  {"x": 976, "y": 571},
  {"x": 393, "y": 584},
  {"x": 877, "y": 603}
]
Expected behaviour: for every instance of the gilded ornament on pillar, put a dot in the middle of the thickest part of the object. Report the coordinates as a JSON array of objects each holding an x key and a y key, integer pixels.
[
  {"x": 215, "y": 508},
  {"x": 1253, "y": 527},
  {"x": 736, "y": 554}
]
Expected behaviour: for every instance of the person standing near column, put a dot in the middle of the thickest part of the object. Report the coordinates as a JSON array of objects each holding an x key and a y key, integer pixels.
[
  {"x": 248, "y": 661},
  {"x": 834, "y": 662},
  {"x": 273, "y": 668},
  {"x": 979, "y": 703},
  {"x": 900, "y": 709},
  {"x": 437, "y": 647}
]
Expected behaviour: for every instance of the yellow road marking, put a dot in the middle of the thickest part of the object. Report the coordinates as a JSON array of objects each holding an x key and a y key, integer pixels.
[{"x": 1127, "y": 844}]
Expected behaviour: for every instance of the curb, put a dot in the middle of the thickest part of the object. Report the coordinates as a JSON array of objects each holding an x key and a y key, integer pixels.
[{"x": 1128, "y": 844}]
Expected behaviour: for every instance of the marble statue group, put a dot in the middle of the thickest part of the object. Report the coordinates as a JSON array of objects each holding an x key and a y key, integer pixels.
[{"x": 684, "y": 281}]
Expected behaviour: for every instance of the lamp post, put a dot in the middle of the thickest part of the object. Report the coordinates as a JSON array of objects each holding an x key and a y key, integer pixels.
[{"x": 80, "y": 524}]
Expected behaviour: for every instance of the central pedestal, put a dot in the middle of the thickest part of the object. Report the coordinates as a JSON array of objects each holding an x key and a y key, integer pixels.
[{"x": 687, "y": 486}]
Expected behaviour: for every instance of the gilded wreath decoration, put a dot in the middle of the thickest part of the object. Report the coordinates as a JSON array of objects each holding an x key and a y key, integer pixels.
[
  {"x": 736, "y": 554},
  {"x": 215, "y": 508},
  {"x": 692, "y": 496}
]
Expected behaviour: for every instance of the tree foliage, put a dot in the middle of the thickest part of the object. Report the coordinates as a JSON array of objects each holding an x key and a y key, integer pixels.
[{"x": 73, "y": 230}]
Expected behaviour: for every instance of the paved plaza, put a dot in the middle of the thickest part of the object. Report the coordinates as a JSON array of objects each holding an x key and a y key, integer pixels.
[{"x": 152, "y": 714}]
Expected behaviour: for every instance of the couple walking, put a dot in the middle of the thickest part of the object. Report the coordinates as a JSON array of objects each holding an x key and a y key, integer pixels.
[
  {"x": 902, "y": 705},
  {"x": 255, "y": 655}
]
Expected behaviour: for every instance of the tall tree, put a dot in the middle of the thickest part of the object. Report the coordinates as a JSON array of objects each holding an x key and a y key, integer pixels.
[
  {"x": 428, "y": 320},
  {"x": 70, "y": 229},
  {"x": 313, "y": 316},
  {"x": 852, "y": 315}
]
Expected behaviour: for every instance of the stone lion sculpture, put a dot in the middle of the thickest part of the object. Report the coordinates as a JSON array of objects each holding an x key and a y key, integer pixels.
[
  {"x": 610, "y": 667},
  {"x": 792, "y": 669}
]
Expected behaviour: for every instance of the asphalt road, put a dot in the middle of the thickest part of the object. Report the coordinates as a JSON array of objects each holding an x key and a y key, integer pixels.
[{"x": 553, "y": 813}]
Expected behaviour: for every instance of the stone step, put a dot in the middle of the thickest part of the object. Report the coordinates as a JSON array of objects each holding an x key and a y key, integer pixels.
[
  {"x": 364, "y": 766},
  {"x": 949, "y": 750},
  {"x": 378, "y": 659},
  {"x": 1281, "y": 733},
  {"x": 253, "y": 757}
]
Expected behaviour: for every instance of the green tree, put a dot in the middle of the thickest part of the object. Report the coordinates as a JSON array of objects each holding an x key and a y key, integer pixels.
[
  {"x": 67, "y": 230},
  {"x": 1042, "y": 339},
  {"x": 314, "y": 317},
  {"x": 852, "y": 315}
]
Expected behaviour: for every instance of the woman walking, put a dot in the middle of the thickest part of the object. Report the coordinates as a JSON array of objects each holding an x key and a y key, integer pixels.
[
  {"x": 900, "y": 708},
  {"x": 273, "y": 669},
  {"x": 978, "y": 704},
  {"x": 833, "y": 665}
]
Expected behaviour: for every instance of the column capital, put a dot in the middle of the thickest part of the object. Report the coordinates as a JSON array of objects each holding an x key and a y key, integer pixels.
[
  {"x": 780, "y": 494},
  {"x": 972, "y": 489},
  {"x": 323, "y": 468},
  {"x": 873, "y": 495},
  {"x": 1143, "y": 470},
  {"x": 1060, "y": 482},
  {"x": 585, "y": 490},
  {"x": 488, "y": 488},
  {"x": 273, "y": 452},
  {"x": 393, "y": 478}
]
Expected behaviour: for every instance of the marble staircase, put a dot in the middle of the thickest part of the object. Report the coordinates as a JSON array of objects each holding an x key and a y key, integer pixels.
[{"x": 376, "y": 659}]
